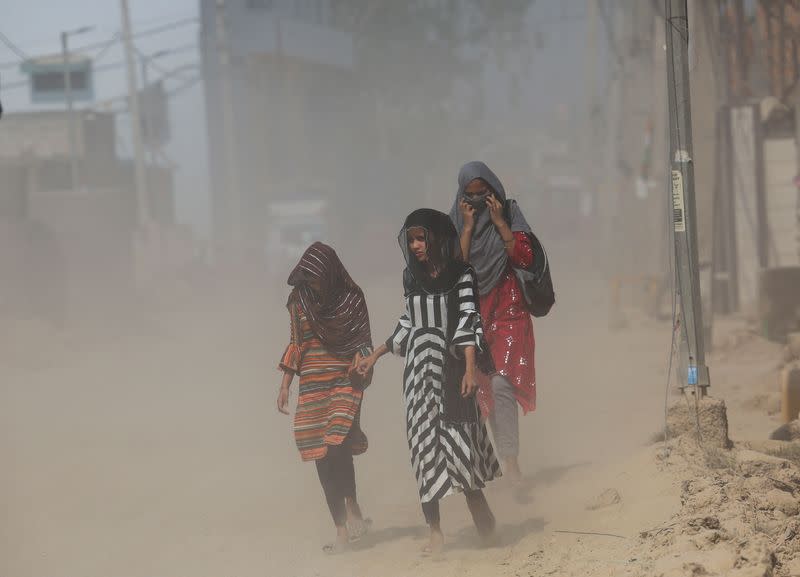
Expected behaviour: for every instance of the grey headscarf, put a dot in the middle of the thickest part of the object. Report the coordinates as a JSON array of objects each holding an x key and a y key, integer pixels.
[{"x": 487, "y": 253}]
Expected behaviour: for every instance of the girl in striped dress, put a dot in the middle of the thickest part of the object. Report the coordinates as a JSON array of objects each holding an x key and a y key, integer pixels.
[
  {"x": 441, "y": 338},
  {"x": 330, "y": 334}
]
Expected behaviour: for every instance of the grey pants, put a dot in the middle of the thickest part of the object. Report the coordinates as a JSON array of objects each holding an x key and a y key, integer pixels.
[{"x": 504, "y": 419}]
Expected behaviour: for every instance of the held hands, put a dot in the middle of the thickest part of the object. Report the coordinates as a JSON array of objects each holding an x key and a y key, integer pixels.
[
  {"x": 365, "y": 364},
  {"x": 357, "y": 359}
]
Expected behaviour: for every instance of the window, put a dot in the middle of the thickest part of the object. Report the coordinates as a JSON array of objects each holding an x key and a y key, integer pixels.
[{"x": 54, "y": 81}]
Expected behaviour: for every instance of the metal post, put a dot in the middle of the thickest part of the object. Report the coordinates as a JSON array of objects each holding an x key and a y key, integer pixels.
[
  {"x": 797, "y": 178},
  {"x": 781, "y": 49},
  {"x": 741, "y": 52},
  {"x": 590, "y": 145},
  {"x": 136, "y": 124},
  {"x": 73, "y": 160},
  {"x": 229, "y": 136},
  {"x": 684, "y": 213},
  {"x": 144, "y": 61}
]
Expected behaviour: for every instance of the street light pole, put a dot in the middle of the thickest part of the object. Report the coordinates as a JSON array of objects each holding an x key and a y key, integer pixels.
[
  {"x": 73, "y": 160},
  {"x": 144, "y": 63}
]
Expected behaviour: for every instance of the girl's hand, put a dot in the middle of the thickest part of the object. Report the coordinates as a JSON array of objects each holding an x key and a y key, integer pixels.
[
  {"x": 283, "y": 400},
  {"x": 468, "y": 212},
  {"x": 469, "y": 384},
  {"x": 356, "y": 361},
  {"x": 495, "y": 210},
  {"x": 366, "y": 364}
]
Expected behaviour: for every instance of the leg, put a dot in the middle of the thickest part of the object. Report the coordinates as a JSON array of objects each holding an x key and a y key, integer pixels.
[
  {"x": 436, "y": 543},
  {"x": 482, "y": 515},
  {"x": 326, "y": 468},
  {"x": 504, "y": 421},
  {"x": 346, "y": 480}
]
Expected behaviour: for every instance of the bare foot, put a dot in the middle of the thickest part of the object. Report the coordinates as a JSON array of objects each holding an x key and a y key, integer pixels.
[
  {"x": 341, "y": 543},
  {"x": 357, "y": 526},
  {"x": 435, "y": 544}
]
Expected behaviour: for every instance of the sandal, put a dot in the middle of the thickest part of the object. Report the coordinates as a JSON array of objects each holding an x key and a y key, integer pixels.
[
  {"x": 358, "y": 529},
  {"x": 333, "y": 549}
]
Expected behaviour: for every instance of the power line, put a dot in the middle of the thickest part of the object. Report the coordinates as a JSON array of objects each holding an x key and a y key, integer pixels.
[
  {"x": 102, "y": 47},
  {"x": 13, "y": 47},
  {"x": 104, "y": 50},
  {"x": 145, "y": 33},
  {"x": 185, "y": 85},
  {"x": 166, "y": 73},
  {"x": 110, "y": 66},
  {"x": 168, "y": 52}
]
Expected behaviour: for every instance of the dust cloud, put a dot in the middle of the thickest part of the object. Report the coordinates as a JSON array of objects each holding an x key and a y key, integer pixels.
[{"x": 138, "y": 428}]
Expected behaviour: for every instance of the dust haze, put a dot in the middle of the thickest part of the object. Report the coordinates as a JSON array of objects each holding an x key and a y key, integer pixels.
[{"x": 138, "y": 428}]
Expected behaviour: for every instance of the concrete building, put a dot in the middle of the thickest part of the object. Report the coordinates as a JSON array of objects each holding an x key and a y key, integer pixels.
[
  {"x": 65, "y": 251},
  {"x": 290, "y": 109}
]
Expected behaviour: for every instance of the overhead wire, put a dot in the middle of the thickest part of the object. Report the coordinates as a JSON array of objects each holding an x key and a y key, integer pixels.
[
  {"x": 13, "y": 47},
  {"x": 105, "y": 45}
]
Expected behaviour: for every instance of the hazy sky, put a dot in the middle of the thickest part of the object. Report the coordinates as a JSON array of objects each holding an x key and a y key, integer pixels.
[
  {"x": 555, "y": 77},
  {"x": 35, "y": 26}
]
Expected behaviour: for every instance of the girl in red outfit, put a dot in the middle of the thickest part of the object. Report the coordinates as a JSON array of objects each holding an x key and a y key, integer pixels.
[{"x": 494, "y": 241}]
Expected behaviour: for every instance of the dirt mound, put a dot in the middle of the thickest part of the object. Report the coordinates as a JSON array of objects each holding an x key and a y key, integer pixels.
[
  {"x": 707, "y": 418},
  {"x": 738, "y": 516}
]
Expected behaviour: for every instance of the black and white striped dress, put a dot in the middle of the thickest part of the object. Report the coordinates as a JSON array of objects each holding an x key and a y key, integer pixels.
[{"x": 447, "y": 457}]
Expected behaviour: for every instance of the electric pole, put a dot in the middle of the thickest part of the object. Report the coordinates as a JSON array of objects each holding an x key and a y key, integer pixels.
[
  {"x": 73, "y": 161},
  {"x": 234, "y": 233},
  {"x": 684, "y": 212},
  {"x": 590, "y": 144},
  {"x": 73, "y": 146},
  {"x": 136, "y": 125}
]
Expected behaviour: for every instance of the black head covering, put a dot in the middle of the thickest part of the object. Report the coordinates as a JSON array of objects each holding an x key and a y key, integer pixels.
[{"x": 444, "y": 252}]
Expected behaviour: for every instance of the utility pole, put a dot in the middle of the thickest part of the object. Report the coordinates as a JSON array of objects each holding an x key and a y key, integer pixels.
[
  {"x": 615, "y": 21},
  {"x": 741, "y": 52},
  {"x": 136, "y": 124},
  {"x": 684, "y": 212},
  {"x": 590, "y": 144},
  {"x": 144, "y": 61},
  {"x": 234, "y": 235},
  {"x": 781, "y": 49},
  {"x": 73, "y": 159}
]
